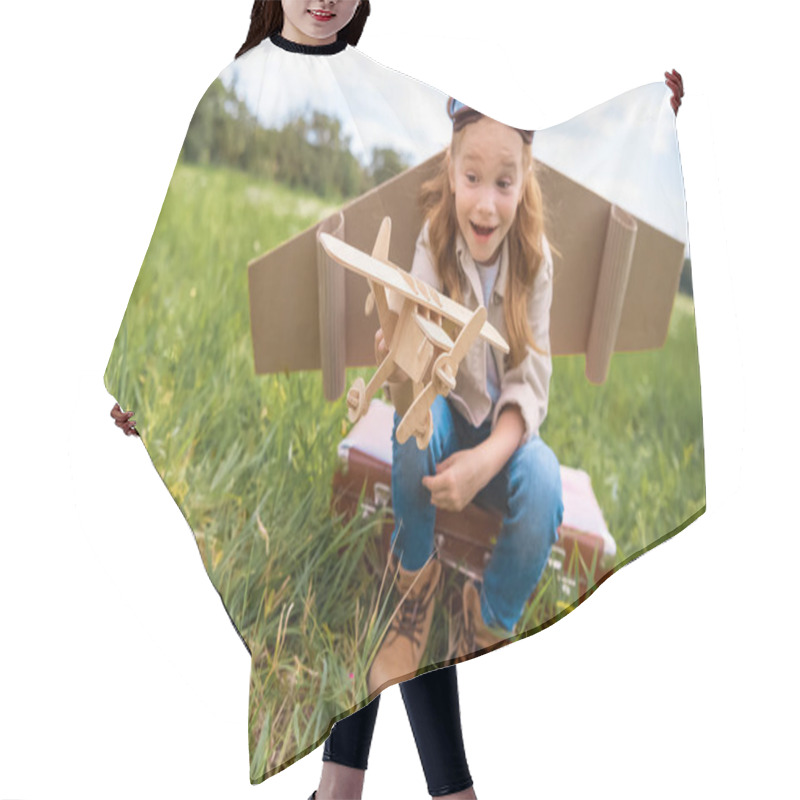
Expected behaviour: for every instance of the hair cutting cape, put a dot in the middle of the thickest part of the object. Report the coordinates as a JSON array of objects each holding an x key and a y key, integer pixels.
[{"x": 243, "y": 338}]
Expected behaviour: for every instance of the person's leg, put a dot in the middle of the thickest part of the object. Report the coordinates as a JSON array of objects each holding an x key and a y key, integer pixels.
[
  {"x": 419, "y": 572},
  {"x": 432, "y": 705},
  {"x": 415, "y": 515},
  {"x": 528, "y": 492},
  {"x": 346, "y": 753}
]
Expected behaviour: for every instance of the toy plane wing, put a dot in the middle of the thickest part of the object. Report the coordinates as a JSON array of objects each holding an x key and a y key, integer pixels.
[{"x": 392, "y": 277}]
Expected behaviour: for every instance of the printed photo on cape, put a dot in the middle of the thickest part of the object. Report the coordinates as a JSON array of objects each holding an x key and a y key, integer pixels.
[{"x": 248, "y": 353}]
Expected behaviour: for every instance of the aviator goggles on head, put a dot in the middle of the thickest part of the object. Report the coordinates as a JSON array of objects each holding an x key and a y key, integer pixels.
[{"x": 462, "y": 115}]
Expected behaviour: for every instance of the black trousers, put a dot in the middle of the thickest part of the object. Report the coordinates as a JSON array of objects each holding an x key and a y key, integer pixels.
[{"x": 431, "y": 701}]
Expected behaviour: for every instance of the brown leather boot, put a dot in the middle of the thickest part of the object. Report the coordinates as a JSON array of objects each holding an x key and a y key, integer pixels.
[
  {"x": 476, "y": 635},
  {"x": 402, "y": 648}
]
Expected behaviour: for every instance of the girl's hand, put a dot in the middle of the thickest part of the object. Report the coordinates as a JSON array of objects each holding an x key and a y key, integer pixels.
[
  {"x": 675, "y": 82},
  {"x": 381, "y": 351},
  {"x": 457, "y": 480},
  {"x": 122, "y": 419}
]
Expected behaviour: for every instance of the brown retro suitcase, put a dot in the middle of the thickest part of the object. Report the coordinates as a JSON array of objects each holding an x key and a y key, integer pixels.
[{"x": 582, "y": 556}]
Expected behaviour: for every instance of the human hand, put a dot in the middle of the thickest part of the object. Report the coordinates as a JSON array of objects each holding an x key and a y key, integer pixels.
[
  {"x": 381, "y": 351},
  {"x": 457, "y": 480},
  {"x": 675, "y": 82},
  {"x": 122, "y": 419}
]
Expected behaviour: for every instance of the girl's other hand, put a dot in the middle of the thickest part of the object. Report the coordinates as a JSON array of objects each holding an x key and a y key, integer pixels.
[
  {"x": 675, "y": 82},
  {"x": 122, "y": 419},
  {"x": 457, "y": 480},
  {"x": 381, "y": 351}
]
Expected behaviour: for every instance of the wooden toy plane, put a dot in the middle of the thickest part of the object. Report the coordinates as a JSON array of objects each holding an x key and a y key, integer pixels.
[{"x": 409, "y": 311}]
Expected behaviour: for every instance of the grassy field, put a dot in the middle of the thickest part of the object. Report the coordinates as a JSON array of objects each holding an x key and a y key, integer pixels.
[{"x": 250, "y": 460}]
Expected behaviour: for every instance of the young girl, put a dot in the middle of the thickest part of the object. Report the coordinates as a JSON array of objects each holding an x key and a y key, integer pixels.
[
  {"x": 482, "y": 243},
  {"x": 500, "y": 231}
]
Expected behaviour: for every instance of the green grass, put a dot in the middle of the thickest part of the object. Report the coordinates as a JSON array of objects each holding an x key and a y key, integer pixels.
[{"x": 250, "y": 460}]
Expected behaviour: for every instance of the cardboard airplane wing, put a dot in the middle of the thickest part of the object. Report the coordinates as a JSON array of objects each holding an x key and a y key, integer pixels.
[
  {"x": 615, "y": 280},
  {"x": 306, "y": 310}
]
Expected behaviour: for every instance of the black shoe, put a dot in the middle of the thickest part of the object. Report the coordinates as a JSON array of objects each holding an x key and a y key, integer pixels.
[{"x": 313, "y": 795}]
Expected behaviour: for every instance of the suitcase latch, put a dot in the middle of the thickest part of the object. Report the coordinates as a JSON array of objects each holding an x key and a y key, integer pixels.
[{"x": 381, "y": 498}]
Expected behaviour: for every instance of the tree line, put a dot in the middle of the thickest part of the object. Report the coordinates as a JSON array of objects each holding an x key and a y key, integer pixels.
[{"x": 309, "y": 152}]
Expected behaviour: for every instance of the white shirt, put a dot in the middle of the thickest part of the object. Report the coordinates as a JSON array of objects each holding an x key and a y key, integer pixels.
[{"x": 488, "y": 275}]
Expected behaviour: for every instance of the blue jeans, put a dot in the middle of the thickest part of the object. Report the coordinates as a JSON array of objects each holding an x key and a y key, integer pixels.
[{"x": 527, "y": 491}]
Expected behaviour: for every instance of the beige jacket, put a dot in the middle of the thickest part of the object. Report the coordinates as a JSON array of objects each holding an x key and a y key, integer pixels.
[{"x": 528, "y": 384}]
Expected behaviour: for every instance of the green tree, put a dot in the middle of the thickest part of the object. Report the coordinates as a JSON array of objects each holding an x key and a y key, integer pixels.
[{"x": 310, "y": 151}]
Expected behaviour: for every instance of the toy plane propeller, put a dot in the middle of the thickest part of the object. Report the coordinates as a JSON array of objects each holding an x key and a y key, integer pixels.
[{"x": 410, "y": 312}]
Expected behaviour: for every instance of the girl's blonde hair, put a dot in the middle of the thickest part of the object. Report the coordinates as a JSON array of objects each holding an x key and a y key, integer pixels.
[{"x": 525, "y": 247}]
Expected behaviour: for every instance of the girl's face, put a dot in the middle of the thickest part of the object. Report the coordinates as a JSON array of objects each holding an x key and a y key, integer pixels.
[
  {"x": 315, "y": 22},
  {"x": 486, "y": 177}
]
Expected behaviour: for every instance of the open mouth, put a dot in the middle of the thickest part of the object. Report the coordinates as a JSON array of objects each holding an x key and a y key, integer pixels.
[
  {"x": 323, "y": 16},
  {"x": 481, "y": 230}
]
